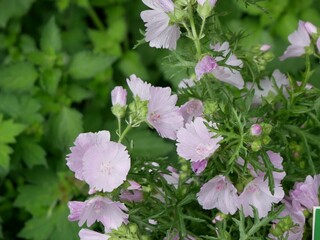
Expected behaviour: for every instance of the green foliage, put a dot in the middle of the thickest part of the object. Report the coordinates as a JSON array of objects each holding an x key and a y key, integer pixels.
[
  {"x": 60, "y": 60},
  {"x": 8, "y": 132},
  {"x": 18, "y": 77}
]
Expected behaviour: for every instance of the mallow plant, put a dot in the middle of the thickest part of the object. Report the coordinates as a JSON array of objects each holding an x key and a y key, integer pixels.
[{"x": 246, "y": 139}]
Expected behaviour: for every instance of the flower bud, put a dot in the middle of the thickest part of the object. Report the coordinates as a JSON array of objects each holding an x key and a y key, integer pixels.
[
  {"x": 119, "y": 96},
  {"x": 205, "y": 7},
  {"x": 256, "y": 146},
  {"x": 256, "y": 130},
  {"x": 265, "y": 47}
]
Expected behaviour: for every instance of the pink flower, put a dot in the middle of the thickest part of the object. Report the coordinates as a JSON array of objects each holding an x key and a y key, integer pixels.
[
  {"x": 311, "y": 29},
  {"x": 102, "y": 209},
  {"x": 299, "y": 40},
  {"x": 195, "y": 142},
  {"x": 133, "y": 193},
  {"x": 106, "y": 166},
  {"x": 267, "y": 86},
  {"x": 294, "y": 210},
  {"x": 206, "y": 65},
  {"x": 173, "y": 177},
  {"x": 276, "y": 161},
  {"x": 265, "y": 47},
  {"x": 306, "y": 193},
  {"x": 160, "y": 32},
  {"x": 76, "y": 209},
  {"x": 219, "y": 193},
  {"x": 131, "y": 196},
  {"x": 191, "y": 110},
  {"x": 199, "y": 167},
  {"x": 211, "y": 2},
  {"x": 87, "y": 234},
  {"x": 256, "y": 130},
  {"x": 119, "y": 96},
  {"x": 82, "y": 143},
  {"x": 257, "y": 194},
  {"x": 318, "y": 44},
  {"x": 228, "y": 74},
  {"x": 163, "y": 114},
  {"x": 186, "y": 83},
  {"x": 139, "y": 88}
]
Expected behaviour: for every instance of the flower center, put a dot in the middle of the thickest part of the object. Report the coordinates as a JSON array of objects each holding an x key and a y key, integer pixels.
[
  {"x": 253, "y": 189},
  {"x": 203, "y": 149},
  {"x": 106, "y": 167},
  {"x": 220, "y": 185},
  {"x": 155, "y": 117},
  {"x": 191, "y": 108},
  {"x": 98, "y": 207}
]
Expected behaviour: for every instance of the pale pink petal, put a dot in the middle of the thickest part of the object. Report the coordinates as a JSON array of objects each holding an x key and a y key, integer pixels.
[
  {"x": 195, "y": 142},
  {"x": 163, "y": 114},
  {"x": 219, "y": 193},
  {"x": 87, "y": 234},
  {"x": 82, "y": 143},
  {"x": 105, "y": 166},
  {"x": 139, "y": 88}
]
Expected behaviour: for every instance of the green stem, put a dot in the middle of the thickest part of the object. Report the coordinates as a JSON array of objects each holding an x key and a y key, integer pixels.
[
  {"x": 202, "y": 27},
  {"x": 307, "y": 73},
  {"x": 119, "y": 126},
  {"x": 194, "y": 31},
  {"x": 95, "y": 18},
  {"x": 124, "y": 133}
]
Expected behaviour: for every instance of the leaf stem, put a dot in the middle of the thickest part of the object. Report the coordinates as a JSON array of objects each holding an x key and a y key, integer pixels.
[
  {"x": 194, "y": 31},
  {"x": 93, "y": 15},
  {"x": 126, "y": 130}
]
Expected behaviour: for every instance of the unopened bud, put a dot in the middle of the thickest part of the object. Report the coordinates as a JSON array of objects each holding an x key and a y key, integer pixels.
[
  {"x": 119, "y": 96},
  {"x": 256, "y": 130},
  {"x": 265, "y": 47},
  {"x": 205, "y": 7},
  {"x": 256, "y": 146}
]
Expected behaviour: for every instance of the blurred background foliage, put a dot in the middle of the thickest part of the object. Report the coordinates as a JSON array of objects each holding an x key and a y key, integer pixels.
[{"x": 59, "y": 61}]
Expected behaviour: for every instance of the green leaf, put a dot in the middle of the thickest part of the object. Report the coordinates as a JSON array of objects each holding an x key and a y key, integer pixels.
[
  {"x": 31, "y": 152},
  {"x": 50, "y": 80},
  {"x": 5, "y": 151},
  {"x": 64, "y": 128},
  {"x": 44, "y": 193},
  {"x": 51, "y": 227},
  {"x": 13, "y": 8},
  {"x": 78, "y": 94},
  {"x": 132, "y": 64},
  {"x": 50, "y": 37},
  {"x": 9, "y": 130},
  {"x": 23, "y": 109},
  {"x": 18, "y": 77},
  {"x": 142, "y": 147},
  {"x": 86, "y": 65}
]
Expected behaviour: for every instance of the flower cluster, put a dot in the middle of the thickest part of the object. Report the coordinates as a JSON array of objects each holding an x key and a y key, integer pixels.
[{"x": 228, "y": 157}]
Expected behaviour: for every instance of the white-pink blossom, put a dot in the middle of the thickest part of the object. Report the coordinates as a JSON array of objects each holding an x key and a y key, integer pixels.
[
  {"x": 163, "y": 114},
  {"x": 139, "y": 88},
  {"x": 195, "y": 142},
  {"x": 299, "y": 40},
  {"x": 100, "y": 209},
  {"x": 191, "y": 109},
  {"x": 227, "y": 73},
  {"x": 82, "y": 143},
  {"x": 105, "y": 166},
  {"x": 87, "y": 234},
  {"x": 160, "y": 32},
  {"x": 257, "y": 194},
  {"x": 219, "y": 193}
]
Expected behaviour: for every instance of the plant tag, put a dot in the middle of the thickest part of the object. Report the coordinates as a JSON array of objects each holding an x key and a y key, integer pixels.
[{"x": 316, "y": 223}]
